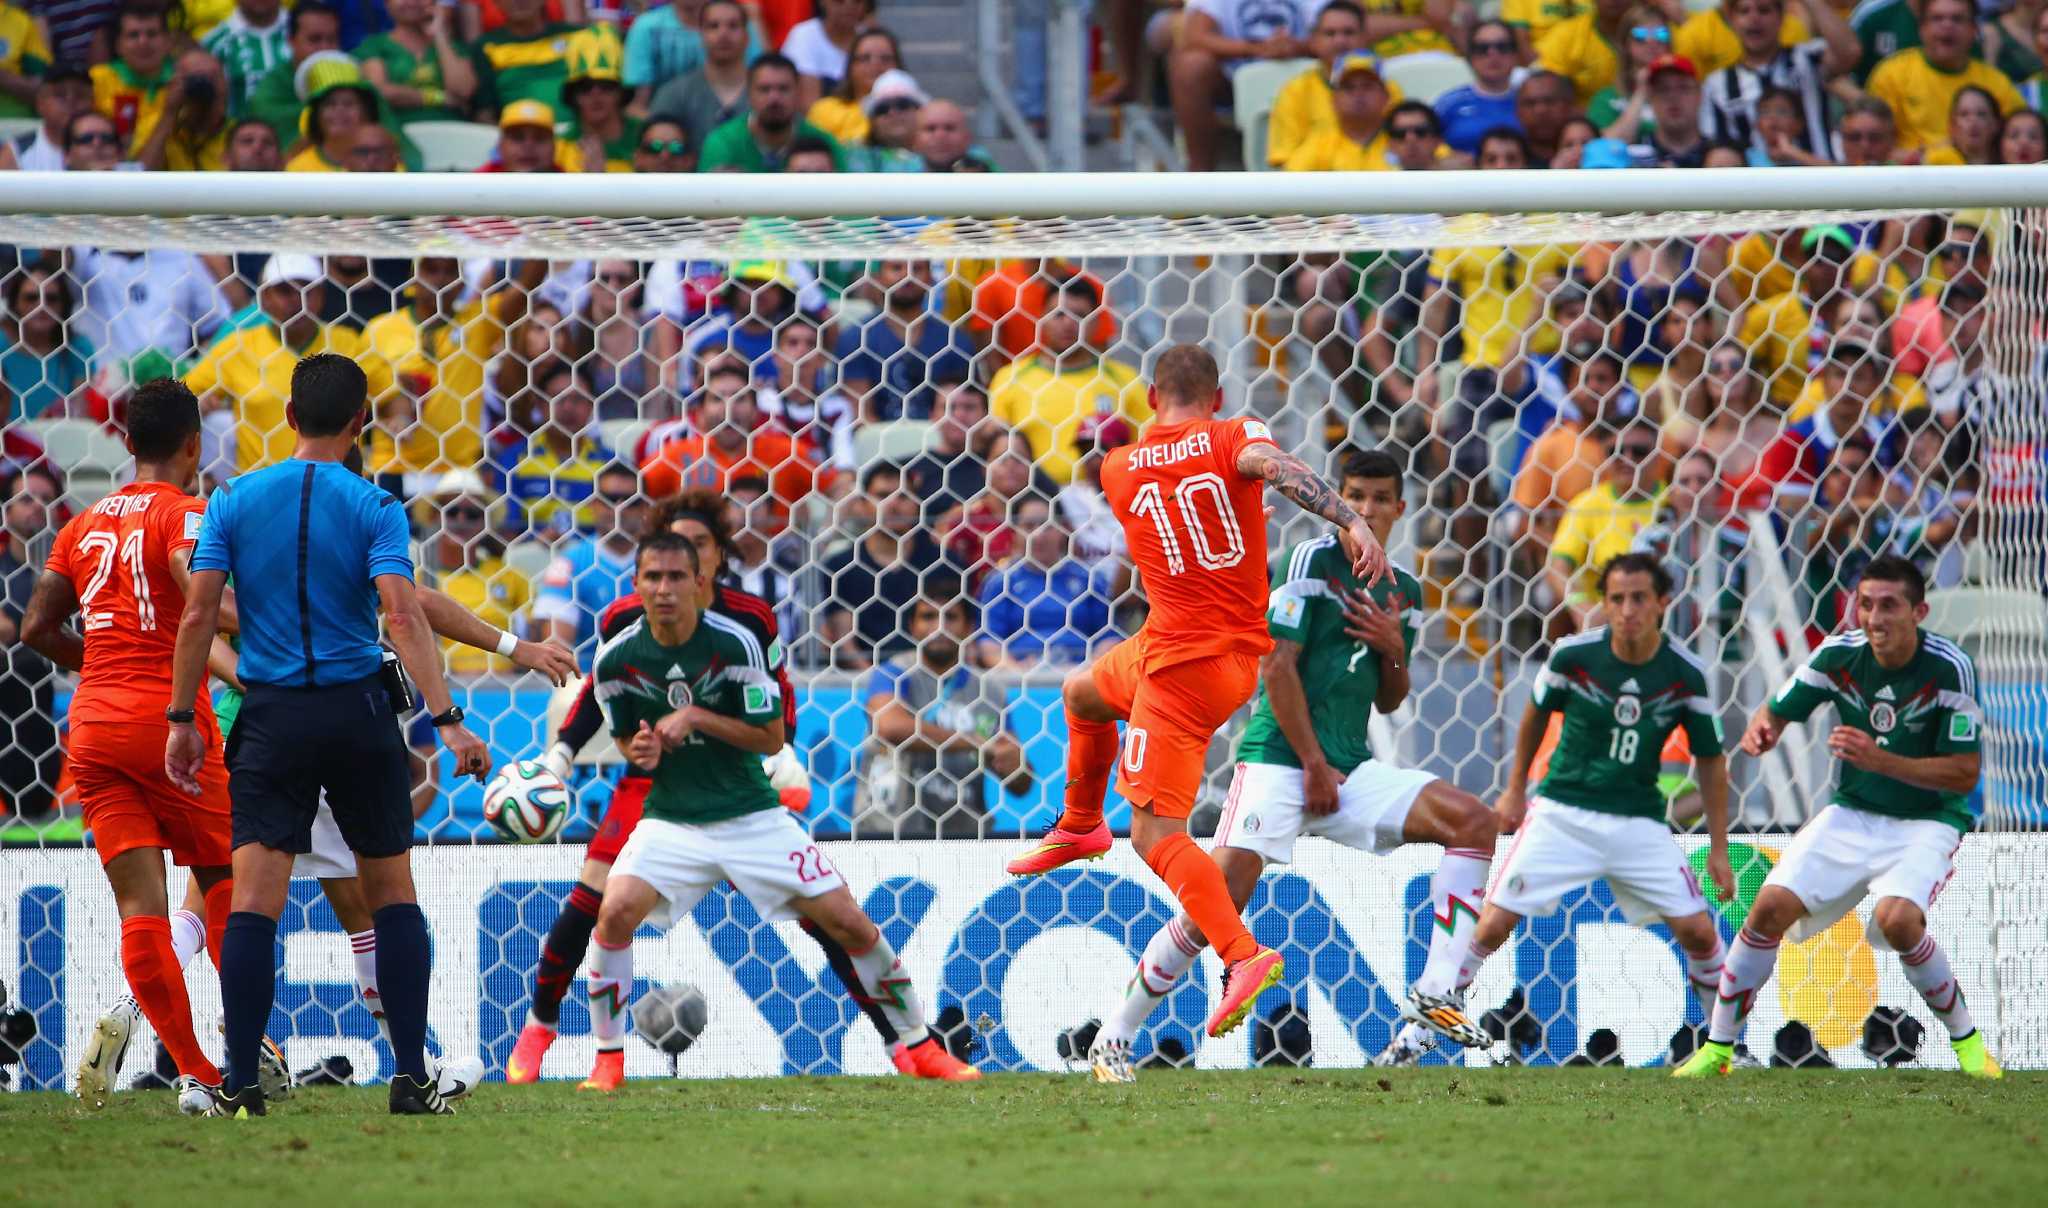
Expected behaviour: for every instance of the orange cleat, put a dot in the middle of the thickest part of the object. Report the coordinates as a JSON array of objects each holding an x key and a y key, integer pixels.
[
  {"x": 899, "y": 1056},
  {"x": 1242, "y": 983},
  {"x": 608, "y": 1073},
  {"x": 524, "y": 1067},
  {"x": 1061, "y": 846},
  {"x": 929, "y": 1059}
]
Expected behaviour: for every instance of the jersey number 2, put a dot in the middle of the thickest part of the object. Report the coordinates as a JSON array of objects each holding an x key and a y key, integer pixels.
[
  {"x": 1150, "y": 502},
  {"x": 138, "y": 577}
]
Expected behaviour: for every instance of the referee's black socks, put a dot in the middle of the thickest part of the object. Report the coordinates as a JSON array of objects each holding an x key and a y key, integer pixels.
[
  {"x": 248, "y": 983},
  {"x": 404, "y": 968}
]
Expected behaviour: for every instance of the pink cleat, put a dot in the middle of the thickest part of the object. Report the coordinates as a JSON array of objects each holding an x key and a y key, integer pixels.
[{"x": 1060, "y": 847}]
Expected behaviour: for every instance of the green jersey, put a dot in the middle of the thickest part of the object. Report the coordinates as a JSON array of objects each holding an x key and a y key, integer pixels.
[
  {"x": 246, "y": 55},
  {"x": 403, "y": 67},
  {"x": 511, "y": 68},
  {"x": 1340, "y": 675},
  {"x": 1927, "y": 707},
  {"x": 721, "y": 668},
  {"x": 1617, "y": 717}
]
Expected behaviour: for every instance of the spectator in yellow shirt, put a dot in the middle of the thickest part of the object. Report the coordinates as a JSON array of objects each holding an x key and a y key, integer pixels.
[
  {"x": 1532, "y": 19},
  {"x": 465, "y": 560},
  {"x": 1046, "y": 396},
  {"x": 1973, "y": 125},
  {"x": 1780, "y": 332},
  {"x": 143, "y": 84},
  {"x": 1711, "y": 42},
  {"x": 1921, "y": 84},
  {"x": 1589, "y": 49},
  {"x": 1303, "y": 106},
  {"x": 339, "y": 103},
  {"x": 24, "y": 57},
  {"x": 250, "y": 371},
  {"x": 1603, "y": 521},
  {"x": 1356, "y": 143},
  {"x": 1408, "y": 27}
]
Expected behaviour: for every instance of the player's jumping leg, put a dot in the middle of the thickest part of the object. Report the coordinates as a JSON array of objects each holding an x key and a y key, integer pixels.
[
  {"x": 1080, "y": 834},
  {"x": 881, "y": 982},
  {"x": 1447, "y": 815},
  {"x": 155, "y": 976}
]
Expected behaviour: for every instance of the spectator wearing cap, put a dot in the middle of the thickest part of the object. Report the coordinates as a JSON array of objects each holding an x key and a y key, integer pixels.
[
  {"x": 892, "y": 107},
  {"x": 1783, "y": 331},
  {"x": 62, "y": 93},
  {"x": 1603, "y": 521},
  {"x": 1921, "y": 83},
  {"x": 664, "y": 146},
  {"x": 1042, "y": 604},
  {"x": 525, "y": 59},
  {"x": 1582, "y": 48},
  {"x": 1216, "y": 38},
  {"x": 312, "y": 27},
  {"x": 822, "y": 47},
  {"x": 670, "y": 41},
  {"x": 754, "y": 300},
  {"x": 526, "y": 139},
  {"x": 249, "y": 372},
  {"x": 417, "y": 66},
  {"x": 340, "y": 103},
  {"x": 1734, "y": 93},
  {"x": 715, "y": 91},
  {"x": 1304, "y": 106},
  {"x": 1675, "y": 140},
  {"x": 763, "y": 140},
  {"x": 252, "y": 40},
  {"x": 945, "y": 142},
  {"x": 1470, "y": 111},
  {"x": 554, "y": 477},
  {"x": 464, "y": 559},
  {"x": 1097, "y": 533},
  {"x": 843, "y": 112},
  {"x": 1853, "y": 379},
  {"x": 1709, "y": 37},
  {"x": 24, "y": 57},
  {"x": 601, "y": 137},
  {"x": 1356, "y": 142},
  {"x": 889, "y": 363},
  {"x": 1045, "y": 397},
  {"x": 729, "y": 442}
]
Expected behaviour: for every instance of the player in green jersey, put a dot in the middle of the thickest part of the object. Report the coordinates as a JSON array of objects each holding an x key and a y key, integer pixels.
[
  {"x": 1622, "y": 688},
  {"x": 1305, "y": 767},
  {"x": 691, "y": 700},
  {"x": 1907, "y": 731}
]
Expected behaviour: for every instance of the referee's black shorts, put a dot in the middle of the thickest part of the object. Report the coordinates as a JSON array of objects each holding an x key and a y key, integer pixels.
[{"x": 289, "y": 744}]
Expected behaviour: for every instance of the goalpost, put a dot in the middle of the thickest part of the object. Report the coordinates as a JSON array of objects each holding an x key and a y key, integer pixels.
[{"x": 1417, "y": 312}]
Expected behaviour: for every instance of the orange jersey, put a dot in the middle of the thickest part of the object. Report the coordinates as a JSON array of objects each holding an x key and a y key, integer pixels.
[
  {"x": 117, "y": 555},
  {"x": 1197, "y": 534}
]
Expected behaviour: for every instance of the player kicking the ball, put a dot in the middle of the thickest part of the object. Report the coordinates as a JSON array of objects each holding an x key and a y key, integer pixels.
[
  {"x": 1907, "y": 739},
  {"x": 1623, "y": 689},
  {"x": 1189, "y": 496},
  {"x": 691, "y": 700},
  {"x": 1340, "y": 650}
]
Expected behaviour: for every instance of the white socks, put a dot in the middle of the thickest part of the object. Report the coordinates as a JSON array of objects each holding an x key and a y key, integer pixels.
[
  {"x": 884, "y": 983},
  {"x": 1705, "y": 975},
  {"x": 1169, "y": 954},
  {"x": 1926, "y": 966},
  {"x": 1747, "y": 968},
  {"x": 611, "y": 985},
  {"x": 362, "y": 946},
  {"x": 188, "y": 936},
  {"x": 1455, "y": 896}
]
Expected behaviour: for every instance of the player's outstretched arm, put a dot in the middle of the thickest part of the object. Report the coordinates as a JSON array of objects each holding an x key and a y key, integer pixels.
[
  {"x": 451, "y": 620},
  {"x": 43, "y": 625},
  {"x": 1290, "y": 476}
]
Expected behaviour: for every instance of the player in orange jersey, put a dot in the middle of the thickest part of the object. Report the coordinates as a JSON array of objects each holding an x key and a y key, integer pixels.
[
  {"x": 122, "y": 567},
  {"x": 1190, "y": 496}
]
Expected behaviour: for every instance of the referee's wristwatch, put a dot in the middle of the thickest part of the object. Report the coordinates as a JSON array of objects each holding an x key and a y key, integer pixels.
[
  {"x": 181, "y": 717},
  {"x": 453, "y": 717}
]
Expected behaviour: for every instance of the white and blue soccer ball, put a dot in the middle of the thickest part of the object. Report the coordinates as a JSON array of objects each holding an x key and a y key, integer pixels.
[{"x": 526, "y": 802}]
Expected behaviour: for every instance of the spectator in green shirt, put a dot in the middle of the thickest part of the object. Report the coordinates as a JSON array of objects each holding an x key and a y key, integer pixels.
[
  {"x": 602, "y": 137},
  {"x": 762, "y": 140},
  {"x": 312, "y": 28},
  {"x": 525, "y": 59},
  {"x": 249, "y": 43},
  {"x": 417, "y": 68}
]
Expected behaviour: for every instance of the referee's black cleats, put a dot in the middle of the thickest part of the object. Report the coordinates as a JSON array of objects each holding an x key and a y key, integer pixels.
[
  {"x": 409, "y": 1098},
  {"x": 239, "y": 1105}
]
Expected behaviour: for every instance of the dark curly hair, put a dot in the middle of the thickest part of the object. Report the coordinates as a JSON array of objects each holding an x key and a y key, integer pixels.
[{"x": 707, "y": 508}]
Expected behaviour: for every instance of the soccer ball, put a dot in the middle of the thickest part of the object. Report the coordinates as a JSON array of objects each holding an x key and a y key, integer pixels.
[
  {"x": 526, "y": 803},
  {"x": 671, "y": 1018}
]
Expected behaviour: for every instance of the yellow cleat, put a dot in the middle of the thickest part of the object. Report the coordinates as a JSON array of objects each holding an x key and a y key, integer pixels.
[
  {"x": 1976, "y": 1059},
  {"x": 1710, "y": 1060}
]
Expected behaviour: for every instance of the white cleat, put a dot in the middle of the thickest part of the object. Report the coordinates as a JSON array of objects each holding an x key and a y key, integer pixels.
[
  {"x": 456, "y": 1078},
  {"x": 1445, "y": 1015},
  {"x": 1109, "y": 1060},
  {"x": 195, "y": 1098},
  {"x": 1407, "y": 1047},
  {"x": 105, "y": 1049},
  {"x": 273, "y": 1077}
]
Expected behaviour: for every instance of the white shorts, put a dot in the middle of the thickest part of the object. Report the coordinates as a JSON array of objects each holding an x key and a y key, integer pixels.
[
  {"x": 1264, "y": 813},
  {"x": 1562, "y": 847},
  {"x": 766, "y": 855},
  {"x": 330, "y": 857},
  {"x": 1843, "y": 855}
]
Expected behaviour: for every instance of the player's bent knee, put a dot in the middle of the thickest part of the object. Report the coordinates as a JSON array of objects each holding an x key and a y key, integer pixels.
[
  {"x": 1694, "y": 933},
  {"x": 1901, "y": 923},
  {"x": 1082, "y": 698},
  {"x": 1776, "y": 909}
]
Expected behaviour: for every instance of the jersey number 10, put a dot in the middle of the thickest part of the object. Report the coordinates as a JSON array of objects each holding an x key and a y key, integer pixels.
[
  {"x": 1150, "y": 502},
  {"x": 138, "y": 576}
]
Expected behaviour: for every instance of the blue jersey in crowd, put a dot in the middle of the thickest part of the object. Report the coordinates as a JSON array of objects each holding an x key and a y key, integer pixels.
[
  {"x": 1057, "y": 613},
  {"x": 304, "y": 542},
  {"x": 580, "y": 584},
  {"x": 1467, "y": 114}
]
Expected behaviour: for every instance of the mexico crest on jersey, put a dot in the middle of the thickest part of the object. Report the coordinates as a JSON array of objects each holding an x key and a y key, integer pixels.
[
  {"x": 1628, "y": 710},
  {"x": 1883, "y": 717},
  {"x": 679, "y": 695}
]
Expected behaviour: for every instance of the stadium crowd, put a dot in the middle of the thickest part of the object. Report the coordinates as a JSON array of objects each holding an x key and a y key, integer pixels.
[{"x": 909, "y": 448}]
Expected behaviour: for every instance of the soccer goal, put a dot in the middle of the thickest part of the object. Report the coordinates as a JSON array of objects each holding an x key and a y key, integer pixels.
[{"x": 1774, "y": 375}]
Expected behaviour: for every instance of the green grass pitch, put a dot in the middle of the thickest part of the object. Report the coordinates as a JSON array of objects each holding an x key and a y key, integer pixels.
[{"x": 1357, "y": 1137}]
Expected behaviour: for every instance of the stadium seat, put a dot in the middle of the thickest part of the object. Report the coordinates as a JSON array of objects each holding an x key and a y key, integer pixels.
[
  {"x": 14, "y": 127},
  {"x": 900, "y": 440},
  {"x": 620, "y": 435},
  {"x": 453, "y": 146},
  {"x": 1425, "y": 77},
  {"x": 81, "y": 448},
  {"x": 1253, "y": 90},
  {"x": 1973, "y": 614},
  {"x": 528, "y": 558}
]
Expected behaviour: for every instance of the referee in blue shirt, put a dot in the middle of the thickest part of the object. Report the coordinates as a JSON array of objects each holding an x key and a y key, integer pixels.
[{"x": 314, "y": 550}]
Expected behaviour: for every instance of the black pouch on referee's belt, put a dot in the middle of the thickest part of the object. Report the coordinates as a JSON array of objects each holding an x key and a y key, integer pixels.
[{"x": 396, "y": 684}]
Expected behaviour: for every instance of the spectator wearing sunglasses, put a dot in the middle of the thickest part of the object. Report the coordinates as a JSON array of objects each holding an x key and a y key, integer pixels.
[
  {"x": 891, "y": 108},
  {"x": 1357, "y": 143},
  {"x": 664, "y": 147},
  {"x": 463, "y": 558},
  {"x": 1303, "y": 107},
  {"x": 1415, "y": 139},
  {"x": 1735, "y": 93},
  {"x": 1469, "y": 111},
  {"x": 1622, "y": 109}
]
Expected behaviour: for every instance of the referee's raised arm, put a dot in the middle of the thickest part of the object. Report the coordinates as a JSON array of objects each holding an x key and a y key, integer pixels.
[{"x": 314, "y": 550}]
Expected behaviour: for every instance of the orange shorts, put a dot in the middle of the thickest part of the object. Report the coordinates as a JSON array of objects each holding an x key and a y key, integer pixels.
[
  {"x": 130, "y": 803},
  {"x": 1172, "y": 715}
]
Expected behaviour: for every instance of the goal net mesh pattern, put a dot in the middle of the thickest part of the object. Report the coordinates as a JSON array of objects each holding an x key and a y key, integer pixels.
[{"x": 1772, "y": 397}]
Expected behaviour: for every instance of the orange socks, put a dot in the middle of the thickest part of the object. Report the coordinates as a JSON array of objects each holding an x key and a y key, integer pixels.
[
  {"x": 1091, "y": 756},
  {"x": 219, "y": 904},
  {"x": 1198, "y": 883},
  {"x": 159, "y": 988}
]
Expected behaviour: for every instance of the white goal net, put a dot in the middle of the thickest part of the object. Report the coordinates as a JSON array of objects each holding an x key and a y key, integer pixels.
[{"x": 899, "y": 390}]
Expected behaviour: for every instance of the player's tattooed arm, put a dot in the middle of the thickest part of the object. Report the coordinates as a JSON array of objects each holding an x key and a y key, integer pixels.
[
  {"x": 43, "y": 626},
  {"x": 1290, "y": 476}
]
